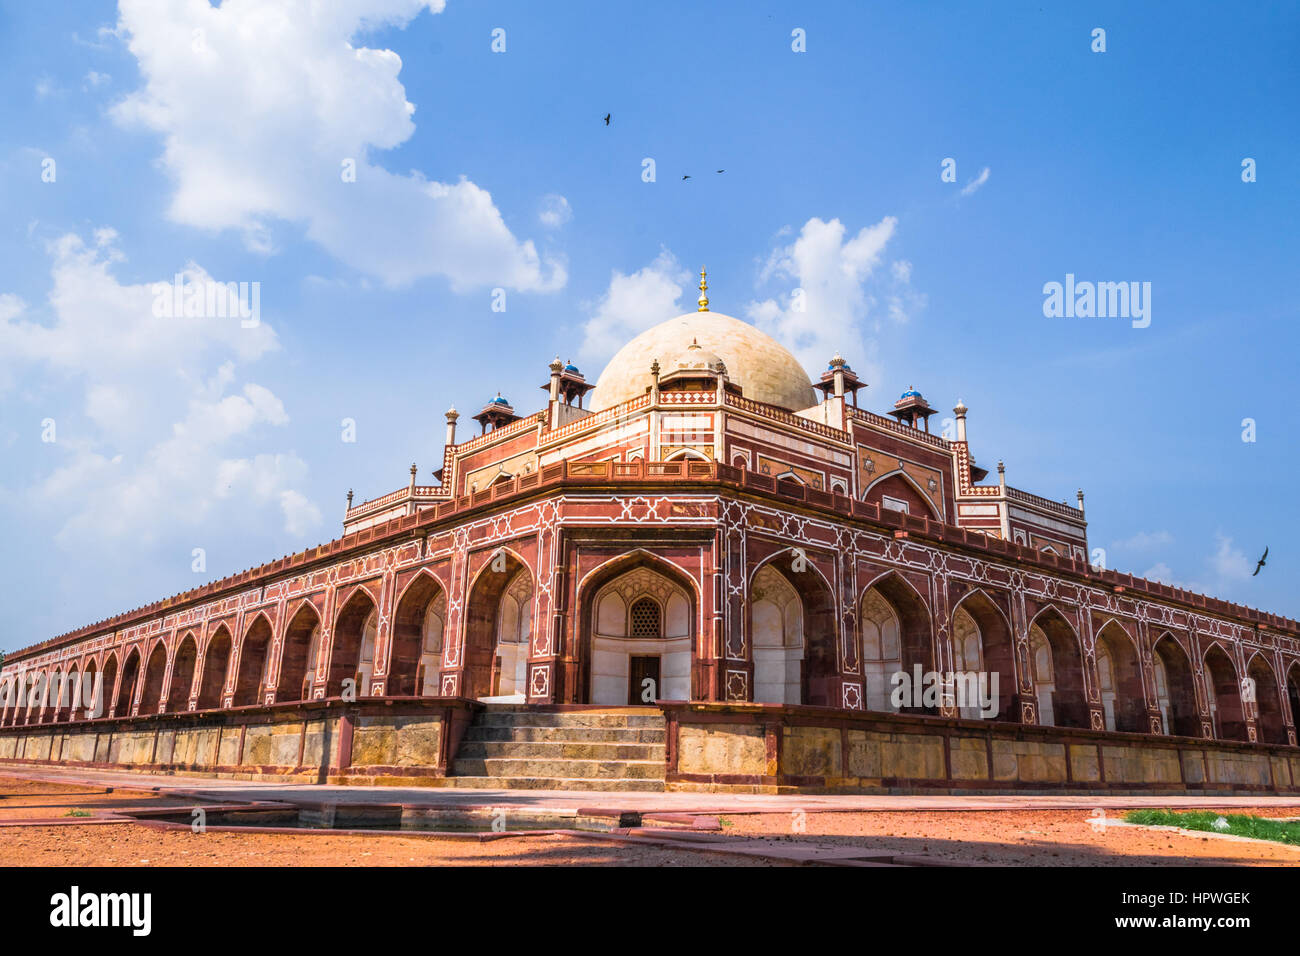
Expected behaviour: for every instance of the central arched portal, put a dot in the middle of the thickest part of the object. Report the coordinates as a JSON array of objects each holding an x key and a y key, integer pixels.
[{"x": 638, "y": 625}]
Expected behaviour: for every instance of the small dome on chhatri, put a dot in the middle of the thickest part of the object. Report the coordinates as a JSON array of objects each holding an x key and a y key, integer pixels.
[
  {"x": 696, "y": 358},
  {"x": 910, "y": 393},
  {"x": 570, "y": 367},
  {"x": 498, "y": 400}
]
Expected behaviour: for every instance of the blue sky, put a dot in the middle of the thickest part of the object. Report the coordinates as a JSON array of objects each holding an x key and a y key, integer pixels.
[{"x": 187, "y": 137}]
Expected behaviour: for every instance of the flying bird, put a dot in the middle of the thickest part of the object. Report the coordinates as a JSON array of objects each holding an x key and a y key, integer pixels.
[
  {"x": 1261, "y": 561},
  {"x": 606, "y": 119},
  {"x": 686, "y": 177},
  {"x": 722, "y": 170}
]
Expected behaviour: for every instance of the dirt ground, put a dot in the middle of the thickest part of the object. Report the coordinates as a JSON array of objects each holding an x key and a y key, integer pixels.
[
  {"x": 1017, "y": 837},
  {"x": 1003, "y": 837},
  {"x": 129, "y": 844}
]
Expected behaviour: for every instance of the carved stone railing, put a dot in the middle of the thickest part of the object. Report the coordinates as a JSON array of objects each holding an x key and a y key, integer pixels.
[{"x": 898, "y": 428}]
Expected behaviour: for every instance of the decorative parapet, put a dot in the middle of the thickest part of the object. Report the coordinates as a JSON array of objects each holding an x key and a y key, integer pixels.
[
  {"x": 596, "y": 419},
  {"x": 897, "y": 428},
  {"x": 505, "y": 431},
  {"x": 771, "y": 412}
]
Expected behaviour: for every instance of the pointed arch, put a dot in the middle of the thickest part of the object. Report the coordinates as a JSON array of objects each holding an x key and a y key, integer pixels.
[
  {"x": 996, "y": 651},
  {"x": 1119, "y": 678},
  {"x": 254, "y": 662},
  {"x": 298, "y": 654},
  {"x": 155, "y": 672},
  {"x": 183, "y": 666},
  {"x": 898, "y": 484},
  {"x": 606, "y": 644},
  {"x": 1224, "y": 692},
  {"x": 817, "y": 668},
  {"x": 105, "y": 696},
  {"x": 53, "y": 688},
  {"x": 126, "y": 686},
  {"x": 897, "y": 634},
  {"x": 351, "y": 651},
  {"x": 1057, "y": 670},
  {"x": 776, "y": 626},
  {"x": 687, "y": 454},
  {"x": 216, "y": 663},
  {"x": 1270, "y": 725},
  {"x": 489, "y": 664},
  {"x": 1175, "y": 688},
  {"x": 1293, "y": 691},
  {"x": 416, "y": 657},
  {"x": 84, "y": 694}
]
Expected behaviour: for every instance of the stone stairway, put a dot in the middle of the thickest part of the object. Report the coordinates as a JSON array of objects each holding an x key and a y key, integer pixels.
[{"x": 512, "y": 747}]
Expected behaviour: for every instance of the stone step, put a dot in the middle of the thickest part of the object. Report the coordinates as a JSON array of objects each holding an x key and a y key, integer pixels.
[
  {"x": 595, "y": 735},
  {"x": 561, "y": 750},
  {"x": 491, "y": 718},
  {"x": 553, "y": 783},
  {"x": 584, "y": 769}
]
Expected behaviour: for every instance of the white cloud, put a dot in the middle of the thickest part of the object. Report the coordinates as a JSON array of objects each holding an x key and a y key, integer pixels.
[
  {"x": 1229, "y": 563},
  {"x": 1164, "y": 574},
  {"x": 634, "y": 303},
  {"x": 164, "y": 413},
  {"x": 95, "y": 78},
  {"x": 976, "y": 183},
  {"x": 261, "y": 103},
  {"x": 1145, "y": 541},
  {"x": 555, "y": 211},
  {"x": 838, "y": 292}
]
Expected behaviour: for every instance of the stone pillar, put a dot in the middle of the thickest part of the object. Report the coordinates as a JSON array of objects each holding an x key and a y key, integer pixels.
[
  {"x": 724, "y": 665},
  {"x": 941, "y": 640},
  {"x": 1024, "y": 701}
]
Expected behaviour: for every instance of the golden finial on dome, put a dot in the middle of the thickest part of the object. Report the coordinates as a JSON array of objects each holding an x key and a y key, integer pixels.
[{"x": 704, "y": 292}]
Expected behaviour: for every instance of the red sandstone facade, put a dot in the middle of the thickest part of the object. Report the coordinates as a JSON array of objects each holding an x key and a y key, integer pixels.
[{"x": 688, "y": 510}]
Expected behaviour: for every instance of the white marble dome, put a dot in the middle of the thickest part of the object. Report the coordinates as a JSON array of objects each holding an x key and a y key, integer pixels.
[{"x": 755, "y": 361}]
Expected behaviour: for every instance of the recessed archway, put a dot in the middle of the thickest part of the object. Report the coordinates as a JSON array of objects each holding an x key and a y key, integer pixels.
[
  {"x": 637, "y": 623},
  {"x": 1057, "y": 671},
  {"x": 53, "y": 688},
  {"x": 896, "y": 637},
  {"x": 982, "y": 644},
  {"x": 126, "y": 687},
  {"x": 1175, "y": 688},
  {"x": 815, "y": 657},
  {"x": 1270, "y": 727},
  {"x": 215, "y": 664},
  {"x": 155, "y": 672},
  {"x": 104, "y": 694},
  {"x": 498, "y": 628},
  {"x": 353, "y": 648},
  {"x": 298, "y": 655},
  {"x": 776, "y": 629},
  {"x": 898, "y": 491},
  {"x": 416, "y": 659},
  {"x": 178, "y": 694},
  {"x": 254, "y": 661},
  {"x": 1119, "y": 676},
  {"x": 1293, "y": 691},
  {"x": 1225, "y": 695}
]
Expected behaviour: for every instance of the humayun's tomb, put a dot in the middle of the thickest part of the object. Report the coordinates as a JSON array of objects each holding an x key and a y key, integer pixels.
[{"x": 704, "y": 571}]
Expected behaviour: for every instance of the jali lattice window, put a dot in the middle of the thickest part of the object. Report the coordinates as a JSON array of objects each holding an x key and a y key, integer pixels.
[{"x": 645, "y": 618}]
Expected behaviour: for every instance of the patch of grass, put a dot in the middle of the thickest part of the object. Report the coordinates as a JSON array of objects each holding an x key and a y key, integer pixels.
[
  {"x": 1238, "y": 824},
  {"x": 77, "y": 813},
  {"x": 724, "y": 822}
]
